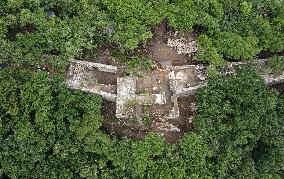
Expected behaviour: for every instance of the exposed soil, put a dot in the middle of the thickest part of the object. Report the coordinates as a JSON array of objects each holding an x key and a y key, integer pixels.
[
  {"x": 105, "y": 78},
  {"x": 268, "y": 54},
  {"x": 159, "y": 51},
  {"x": 279, "y": 87},
  {"x": 152, "y": 82},
  {"x": 183, "y": 122},
  {"x": 101, "y": 55},
  {"x": 108, "y": 109},
  {"x": 118, "y": 127}
]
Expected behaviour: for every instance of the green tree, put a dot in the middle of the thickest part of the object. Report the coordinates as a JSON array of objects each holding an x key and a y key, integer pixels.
[
  {"x": 133, "y": 19},
  {"x": 236, "y": 115},
  {"x": 195, "y": 152},
  {"x": 48, "y": 131},
  {"x": 29, "y": 33},
  {"x": 207, "y": 52},
  {"x": 233, "y": 46}
]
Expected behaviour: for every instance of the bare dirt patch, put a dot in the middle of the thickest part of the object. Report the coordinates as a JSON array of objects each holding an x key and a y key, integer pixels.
[
  {"x": 102, "y": 55},
  {"x": 186, "y": 105},
  {"x": 118, "y": 127},
  {"x": 155, "y": 117},
  {"x": 108, "y": 109},
  {"x": 279, "y": 87},
  {"x": 105, "y": 78},
  {"x": 160, "y": 51},
  {"x": 183, "y": 122}
]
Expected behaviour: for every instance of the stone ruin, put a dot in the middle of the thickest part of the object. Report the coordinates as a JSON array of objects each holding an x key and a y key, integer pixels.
[
  {"x": 83, "y": 75},
  {"x": 183, "y": 45},
  {"x": 263, "y": 69},
  {"x": 150, "y": 90},
  {"x": 159, "y": 89}
]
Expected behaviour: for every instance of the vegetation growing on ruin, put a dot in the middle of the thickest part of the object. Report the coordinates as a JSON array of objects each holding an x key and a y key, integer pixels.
[
  {"x": 49, "y": 131},
  {"x": 276, "y": 63}
]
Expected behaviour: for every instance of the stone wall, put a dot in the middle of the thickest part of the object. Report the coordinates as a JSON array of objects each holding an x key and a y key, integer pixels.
[
  {"x": 126, "y": 89},
  {"x": 183, "y": 81},
  {"x": 99, "y": 66}
]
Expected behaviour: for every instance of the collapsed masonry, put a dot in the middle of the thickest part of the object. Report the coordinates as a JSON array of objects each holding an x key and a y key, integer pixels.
[
  {"x": 182, "y": 45},
  {"x": 159, "y": 89},
  {"x": 263, "y": 69},
  {"x": 85, "y": 76}
]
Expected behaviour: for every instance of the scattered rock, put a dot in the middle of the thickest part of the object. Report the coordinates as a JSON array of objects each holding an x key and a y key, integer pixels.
[
  {"x": 166, "y": 64},
  {"x": 50, "y": 14},
  {"x": 183, "y": 46}
]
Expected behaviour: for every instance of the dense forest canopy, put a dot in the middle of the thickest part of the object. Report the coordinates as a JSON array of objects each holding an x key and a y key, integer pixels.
[
  {"x": 49, "y": 131},
  {"x": 230, "y": 30}
]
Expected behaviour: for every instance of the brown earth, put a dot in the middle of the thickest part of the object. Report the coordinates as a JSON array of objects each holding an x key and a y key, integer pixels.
[
  {"x": 102, "y": 54},
  {"x": 157, "y": 50},
  {"x": 119, "y": 128},
  {"x": 279, "y": 87},
  {"x": 161, "y": 52}
]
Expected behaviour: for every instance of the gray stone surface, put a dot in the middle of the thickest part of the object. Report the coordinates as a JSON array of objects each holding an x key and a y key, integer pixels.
[
  {"x": 174, "y": 112},
  {"x": 78, "y": 74},
  {"x": 183, "y": 81},
  {"x": 166, "y": 64},
  {"x": 272, "y": 79},
  {"x": 50, "y": 14},
  {"x": 78, "y": 77},
  {"x": 183, "y": 46},
  {"x": 101, "y": 67},
  {"x": 126, "y": 89},
  {"x": 166, "y": 126}
]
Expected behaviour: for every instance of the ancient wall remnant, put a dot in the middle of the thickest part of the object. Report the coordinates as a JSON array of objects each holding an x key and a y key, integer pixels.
[
  {"x": 261, "y": 65},
  {"x": 273, "y": 79},
  {"x": 174, "y": 112},
  {"x": 99, "y": 66},
  {"x": 158, "y": 89},
  {"x": 182, "y": 45},
  {"x": 183, "y": 81},
  {"x": 150, "y": 99},
  {"x": 126, "y": 89},
  {"x": 80, "y": 75}
]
